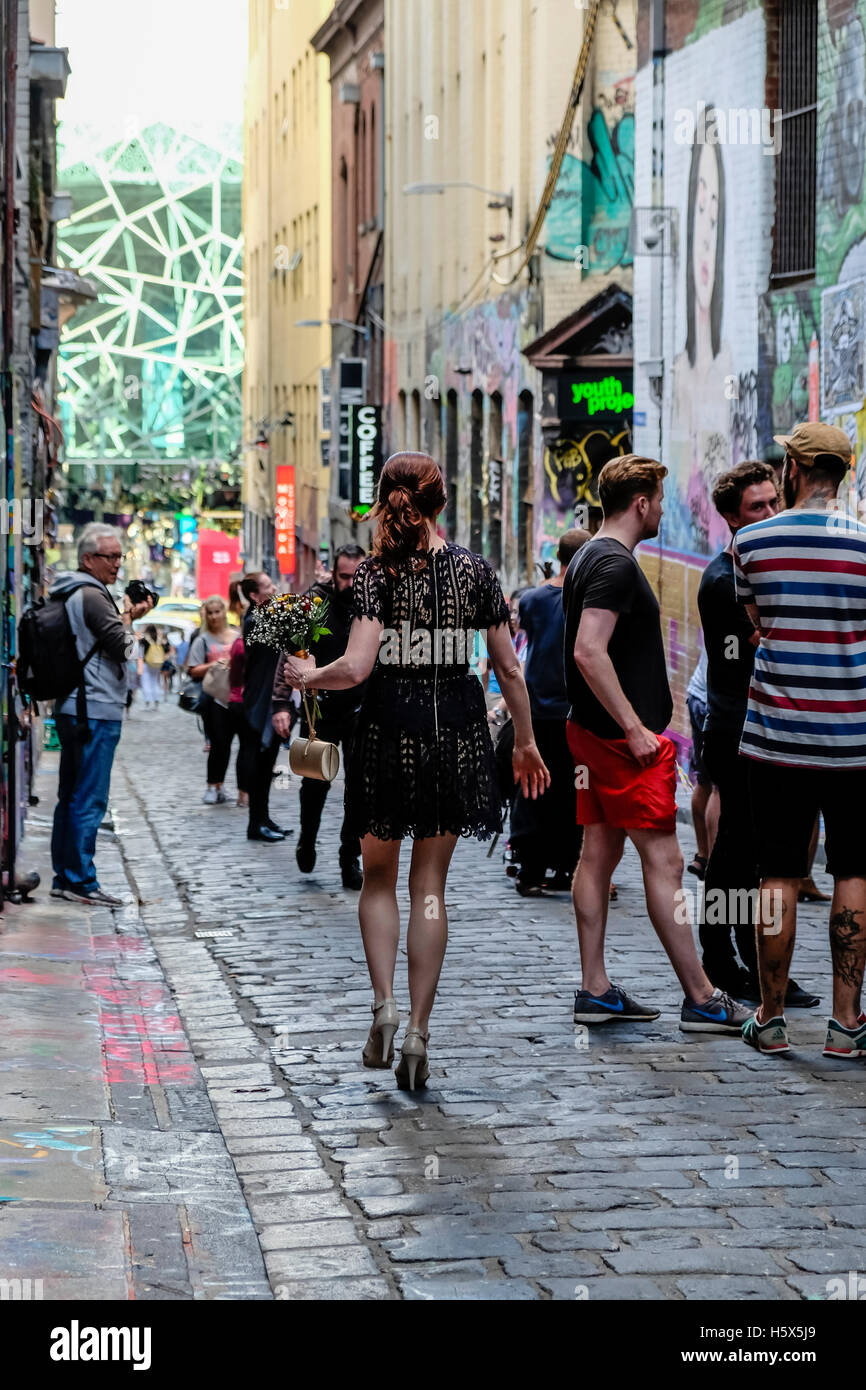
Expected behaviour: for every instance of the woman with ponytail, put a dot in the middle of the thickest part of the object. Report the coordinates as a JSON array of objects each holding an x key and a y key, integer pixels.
[{"x": 423, "y": 763}]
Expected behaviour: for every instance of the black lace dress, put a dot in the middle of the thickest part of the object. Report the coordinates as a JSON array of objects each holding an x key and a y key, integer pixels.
[{"x": 423, "y": 762}]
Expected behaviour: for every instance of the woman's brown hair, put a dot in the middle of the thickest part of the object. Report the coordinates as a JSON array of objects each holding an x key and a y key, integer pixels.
[{"x": 411, "y": 493}]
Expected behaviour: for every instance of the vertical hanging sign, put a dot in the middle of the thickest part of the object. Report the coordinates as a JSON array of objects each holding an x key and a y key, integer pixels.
[
  {"x": 365, "y": 445},
  {"x": 284, "y": 521}
]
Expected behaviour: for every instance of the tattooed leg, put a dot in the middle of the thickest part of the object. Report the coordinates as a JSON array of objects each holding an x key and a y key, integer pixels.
[
  {"x": 848, "y": 946},
  {"x": 775, "y": 929}
]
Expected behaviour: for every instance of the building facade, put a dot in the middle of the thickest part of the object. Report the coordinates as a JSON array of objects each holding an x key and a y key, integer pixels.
[
  {"x": 480, "y": 337},
  {"x": 38, "y": 298},
  {"x": 750, "y": 269},
  {"x": 353, "y": 38},
  {"x": 287, "y": 223}
]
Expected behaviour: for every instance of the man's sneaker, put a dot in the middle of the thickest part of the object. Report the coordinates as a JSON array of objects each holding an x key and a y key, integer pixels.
[
  {"x": 720, "y": 1014},
  {"x": 798, "y": 998},
  {"x": 221, "y": 797},
  {"x": 96, "y": 898},
  {"x": 613, "y": 1004},
  {"x": 211, "y": 797},
  {"x": 771, "y": 1036},
  {"x": 737, "y": 982},
  {"x": 845, "y": 1042},
  {"x": 58, "y": 893}
]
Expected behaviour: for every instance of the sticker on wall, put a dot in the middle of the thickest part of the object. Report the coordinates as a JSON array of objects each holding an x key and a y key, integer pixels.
[{"x": 842, "y": 345}]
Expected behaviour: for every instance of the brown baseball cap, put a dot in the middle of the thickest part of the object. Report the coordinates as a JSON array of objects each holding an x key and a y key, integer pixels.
[{"x": 811, "y": 438}]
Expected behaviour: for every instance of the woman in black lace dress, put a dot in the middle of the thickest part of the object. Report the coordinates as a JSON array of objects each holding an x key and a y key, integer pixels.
[{"x": 422, "y": 764}]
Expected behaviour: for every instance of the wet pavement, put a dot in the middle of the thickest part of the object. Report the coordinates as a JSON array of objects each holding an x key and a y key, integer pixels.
[{"x": 183, "y": 1113}]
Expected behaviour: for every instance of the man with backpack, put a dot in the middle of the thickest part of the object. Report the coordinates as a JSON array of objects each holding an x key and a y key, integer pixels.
[{"x": 89, "y": 714}]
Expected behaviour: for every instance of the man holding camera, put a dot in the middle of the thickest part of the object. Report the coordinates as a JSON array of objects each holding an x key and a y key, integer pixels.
[{"x": 103, "y": 639}]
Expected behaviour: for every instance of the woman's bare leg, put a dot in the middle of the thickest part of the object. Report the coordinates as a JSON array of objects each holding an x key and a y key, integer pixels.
[
  {"x": 379, "y": 914},
  {"x": 427, "y": 936}
]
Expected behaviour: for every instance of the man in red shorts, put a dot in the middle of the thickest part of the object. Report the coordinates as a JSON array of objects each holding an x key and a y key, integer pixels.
[{"x": 625, "y": 770}]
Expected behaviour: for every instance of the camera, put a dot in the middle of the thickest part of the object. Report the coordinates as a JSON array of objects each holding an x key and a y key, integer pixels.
[{"x": 138, "y": 592}]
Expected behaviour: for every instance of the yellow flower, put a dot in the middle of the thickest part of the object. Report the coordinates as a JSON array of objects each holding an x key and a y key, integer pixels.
[{"x": 317, "y": 599}]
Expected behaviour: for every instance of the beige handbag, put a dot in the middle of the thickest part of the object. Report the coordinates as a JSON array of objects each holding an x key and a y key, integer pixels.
[
  {"x": 216, "y": 682},
  {"x": 313, "y": 757}
]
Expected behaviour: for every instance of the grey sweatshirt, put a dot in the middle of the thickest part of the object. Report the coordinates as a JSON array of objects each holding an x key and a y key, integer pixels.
[{"x": 93, "y": 614}]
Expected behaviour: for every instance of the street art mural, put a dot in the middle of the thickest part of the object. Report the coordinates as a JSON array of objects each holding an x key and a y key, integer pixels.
[
  {"x": 704, "y": 384},
  {"x": 571, "y": 467},
  {"x": 844, "y": 346},
  {"x": 592, "y": 203}
]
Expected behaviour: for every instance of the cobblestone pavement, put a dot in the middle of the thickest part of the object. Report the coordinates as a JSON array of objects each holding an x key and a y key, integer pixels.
[
  {"x": 648, "y": 1163},
  {"x": 232, "y": 1002}
]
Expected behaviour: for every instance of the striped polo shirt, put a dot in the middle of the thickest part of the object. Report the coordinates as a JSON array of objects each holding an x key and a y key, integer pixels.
[{"x": 805, "y": 570}]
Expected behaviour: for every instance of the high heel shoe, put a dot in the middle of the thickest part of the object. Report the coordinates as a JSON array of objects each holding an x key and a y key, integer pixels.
[
  {"x": 379, "y": 1047},
  {"x": 412, "y": 1069}
]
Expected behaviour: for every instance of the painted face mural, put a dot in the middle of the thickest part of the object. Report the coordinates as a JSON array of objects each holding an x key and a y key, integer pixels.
[{"x": 705, "y": 215}]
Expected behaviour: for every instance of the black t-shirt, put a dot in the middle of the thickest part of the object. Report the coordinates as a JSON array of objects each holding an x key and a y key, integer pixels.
[
  {"x": 605, "y": 574},
  {"x": 730, "y": 654}
]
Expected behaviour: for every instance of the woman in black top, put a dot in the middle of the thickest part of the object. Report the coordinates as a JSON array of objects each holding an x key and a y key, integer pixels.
[{"x": 423, "y": 762}]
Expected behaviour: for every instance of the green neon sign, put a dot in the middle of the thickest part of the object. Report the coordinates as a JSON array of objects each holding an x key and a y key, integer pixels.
[{"x": 606, "y": 396}]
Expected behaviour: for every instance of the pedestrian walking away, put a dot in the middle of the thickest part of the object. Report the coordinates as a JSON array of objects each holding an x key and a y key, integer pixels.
[
  {"x": 802, "y": 578},
  {"x": 261, "y": 741},
  {"x": 153, "y": 654},
  {"x": 544, "y": 833},
  {"x": 213, "y": 643},
  {"x": 626, "y": 768},
  {"x": 87, "y": 754},
  {"x": 422, "y": 763},
  {"x": 339, "y": 711}
]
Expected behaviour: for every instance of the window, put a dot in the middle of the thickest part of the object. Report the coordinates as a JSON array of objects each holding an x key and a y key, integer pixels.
[
  {"x": 476, "y": 473},
  {"x": 374, "y": 210},
  {"x": 416, "y": 442},
  {"x": 362, "y": 170},
  {"x": 401, "y": 420},
  {"x": 794, "y": 232},
  {"x": 494, "y": 480},
  {"x": 525, "y": 411},
  {"x": 451, "y": 457}
]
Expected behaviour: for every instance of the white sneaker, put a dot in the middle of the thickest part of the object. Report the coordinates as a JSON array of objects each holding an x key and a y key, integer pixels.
[{"x": 211, "y": 797}]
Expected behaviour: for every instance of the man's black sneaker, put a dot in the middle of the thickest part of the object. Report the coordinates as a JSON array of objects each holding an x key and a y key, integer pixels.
[
  {"x": 305, "y": 855},
  {"x": 720, "y": 1014},
  {"x": 264, "y": 832},
  {"x": 352, "y": 876},
  {"x": 279, "y": 829},
  {"x": 613, "y": 1004},
  {"x": 798, "y": 998},
  {"x": 736, "y": 982}
]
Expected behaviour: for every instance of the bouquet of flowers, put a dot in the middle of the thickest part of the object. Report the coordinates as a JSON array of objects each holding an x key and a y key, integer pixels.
[{"x": 291, "y": 622}]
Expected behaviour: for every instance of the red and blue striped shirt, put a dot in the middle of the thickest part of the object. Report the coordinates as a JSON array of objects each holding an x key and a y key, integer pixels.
[{"x": 805, "y": 571}]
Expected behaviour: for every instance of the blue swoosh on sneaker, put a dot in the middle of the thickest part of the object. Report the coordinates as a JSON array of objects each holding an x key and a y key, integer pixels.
[
  {"x": 719, "y": 1018},
  {"x": 614, "y": 1008}
]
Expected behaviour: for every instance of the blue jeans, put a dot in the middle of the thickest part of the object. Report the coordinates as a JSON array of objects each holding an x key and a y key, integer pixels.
[{"x": 82, "y": 798}]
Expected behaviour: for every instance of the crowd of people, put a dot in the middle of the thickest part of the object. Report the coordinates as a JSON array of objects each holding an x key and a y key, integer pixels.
[{"x": 574, "y": 704}]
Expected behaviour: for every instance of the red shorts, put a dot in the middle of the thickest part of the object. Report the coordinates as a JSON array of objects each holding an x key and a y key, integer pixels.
[{"x": 616, "y": 790}]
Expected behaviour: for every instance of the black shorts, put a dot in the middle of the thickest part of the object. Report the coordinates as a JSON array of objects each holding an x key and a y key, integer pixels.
[{"x": 785, "y": 802}]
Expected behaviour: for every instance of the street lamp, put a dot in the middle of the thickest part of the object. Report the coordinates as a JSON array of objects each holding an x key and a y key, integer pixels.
[
  {"x": 503, "y": 200},
  {"x": 343, "y": 323}
]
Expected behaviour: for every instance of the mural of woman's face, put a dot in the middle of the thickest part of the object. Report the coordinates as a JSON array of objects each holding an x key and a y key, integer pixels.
[{"x": 706, "y": 215}]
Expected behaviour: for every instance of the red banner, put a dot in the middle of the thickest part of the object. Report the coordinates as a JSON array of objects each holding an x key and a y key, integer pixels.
[{"x": 285, "y": 518}]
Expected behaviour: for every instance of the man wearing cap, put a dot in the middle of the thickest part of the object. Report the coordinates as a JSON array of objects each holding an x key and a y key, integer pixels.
[{"x": 802, "y": 578}]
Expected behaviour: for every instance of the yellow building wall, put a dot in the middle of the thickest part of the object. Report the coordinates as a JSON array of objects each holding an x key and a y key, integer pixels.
[{"x": 286, "y": 211}]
